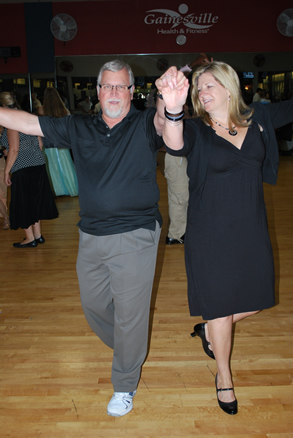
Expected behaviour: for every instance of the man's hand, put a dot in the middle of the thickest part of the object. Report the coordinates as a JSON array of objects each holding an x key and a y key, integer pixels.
[{"x": 200, "y": 60}]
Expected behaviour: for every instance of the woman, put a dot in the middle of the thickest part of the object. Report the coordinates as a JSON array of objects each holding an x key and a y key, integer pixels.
[
  {"x": 266, "y": 97},
  {"x": 3, "y": 188},
  {"x": 231, "y": 149},
  {"x": 61, "y": 168},
  {"x": 31, "y": 197}
]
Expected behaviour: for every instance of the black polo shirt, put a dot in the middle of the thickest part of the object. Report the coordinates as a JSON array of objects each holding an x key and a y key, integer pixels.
[{"x": 116, "y": 169}]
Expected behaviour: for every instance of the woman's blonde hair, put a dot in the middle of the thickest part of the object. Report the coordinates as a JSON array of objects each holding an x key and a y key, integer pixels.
[
  {"x": 7, "y": 100},
  {"x": 225, "y": 75}
]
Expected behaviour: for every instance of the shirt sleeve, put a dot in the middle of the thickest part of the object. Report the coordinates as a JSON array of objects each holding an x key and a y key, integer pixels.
[
  {"x": 156, "y": 142},
  {"x": 280, "y": 113},
  {"x": 56, "y": 132}
]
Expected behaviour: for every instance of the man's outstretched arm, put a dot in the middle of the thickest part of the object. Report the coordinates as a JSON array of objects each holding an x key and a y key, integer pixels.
[{"x": 20, "y": 121}]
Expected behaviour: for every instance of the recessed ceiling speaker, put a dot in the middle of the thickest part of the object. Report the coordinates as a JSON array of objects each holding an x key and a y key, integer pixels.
[
  {"x": 66, "y": 66},
  {"x": 259, "y": 60}
]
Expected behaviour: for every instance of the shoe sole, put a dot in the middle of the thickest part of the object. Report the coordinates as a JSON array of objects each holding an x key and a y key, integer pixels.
[{"x": 112, "y": 414}]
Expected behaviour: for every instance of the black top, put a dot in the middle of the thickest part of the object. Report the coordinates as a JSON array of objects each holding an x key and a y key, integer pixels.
[
  {"x": 116, "y": 169},
  {"x": 198, "y": 138},
  {"x": 29, "y": 153}
]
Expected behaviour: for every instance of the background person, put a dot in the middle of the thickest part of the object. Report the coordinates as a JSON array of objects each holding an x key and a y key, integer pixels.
[
  {"x": 178, "y": 195},
  {"x": 176, "y": 176},
  {"x": 85, "y": 105},
  {"x": 3, "y": 187},
  {"x": 231, "y": 149},
  {"x": 266, "y": 97},
  {"x": 258, "y": 95},
  {"x": 31, "y": 196},
  {"x": 97, "y": 108},
  {"x": 60, "y": 164},
  {"x": 36, "y": 103}
]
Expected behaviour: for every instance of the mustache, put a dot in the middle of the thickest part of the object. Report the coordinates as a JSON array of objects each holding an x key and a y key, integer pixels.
[{"x": 113, "y": 100}]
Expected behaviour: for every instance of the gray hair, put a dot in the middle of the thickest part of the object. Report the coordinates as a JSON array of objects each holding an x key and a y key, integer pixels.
[{"x": 116, "y": 66}]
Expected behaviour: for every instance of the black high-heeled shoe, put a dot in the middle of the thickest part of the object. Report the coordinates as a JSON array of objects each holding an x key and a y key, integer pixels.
[
  {"x": 230, "y": 408},
  {"x": 199, "y": 330}
]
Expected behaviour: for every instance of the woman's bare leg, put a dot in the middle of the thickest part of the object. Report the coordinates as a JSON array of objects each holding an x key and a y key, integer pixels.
[
  {"x": 237, "y": 317},
  {"x": 37, "y": 230},
  {"x": 3, "y": 210},
  {"x": 29, "y": 235},
  {"x": 219, "y": 334}
]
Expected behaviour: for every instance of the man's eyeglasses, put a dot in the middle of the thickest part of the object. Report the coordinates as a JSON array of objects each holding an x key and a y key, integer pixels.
[{"x": 119, "y": 88}]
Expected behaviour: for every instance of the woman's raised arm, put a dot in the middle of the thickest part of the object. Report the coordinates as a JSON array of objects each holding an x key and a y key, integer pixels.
[{"x": 173, "y": 85}]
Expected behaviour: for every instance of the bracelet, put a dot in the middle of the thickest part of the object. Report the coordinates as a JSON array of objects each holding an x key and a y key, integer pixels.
[
  {"x": 160, "y": 95},
  {"x": 170, "y": 122},
  {"x": 174, "y": 117}
]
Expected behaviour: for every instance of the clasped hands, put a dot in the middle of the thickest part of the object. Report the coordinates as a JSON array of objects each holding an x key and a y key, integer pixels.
[{"x": 173, "y": 85}]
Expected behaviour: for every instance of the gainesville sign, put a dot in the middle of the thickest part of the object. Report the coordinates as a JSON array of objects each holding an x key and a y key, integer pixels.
[{"x": 194, "y": 23}]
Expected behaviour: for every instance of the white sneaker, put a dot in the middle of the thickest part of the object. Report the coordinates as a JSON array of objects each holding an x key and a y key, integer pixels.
[{"x": 120, "y": 403}]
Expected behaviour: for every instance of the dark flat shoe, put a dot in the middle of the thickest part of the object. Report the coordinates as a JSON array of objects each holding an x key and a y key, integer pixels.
[
  {"x": 230, "y": 408},
  {"x": 32, "y": 244},
  {"x": 40, "y": 240},
  {"x": 199, "y": 331},
  {"x": 170, "y": 241}
]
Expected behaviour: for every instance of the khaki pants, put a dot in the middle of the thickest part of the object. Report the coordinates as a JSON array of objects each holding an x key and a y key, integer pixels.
[{"x": 178, "y": 195}]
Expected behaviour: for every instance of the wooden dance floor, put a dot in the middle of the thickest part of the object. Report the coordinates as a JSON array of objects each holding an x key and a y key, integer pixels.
[{"x": 55, "y": 372}]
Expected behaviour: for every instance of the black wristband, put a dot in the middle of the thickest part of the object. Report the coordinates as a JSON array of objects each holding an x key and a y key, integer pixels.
[{"x": 174, "y": 117}]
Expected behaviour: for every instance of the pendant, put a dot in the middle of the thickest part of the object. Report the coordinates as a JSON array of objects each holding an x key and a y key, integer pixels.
[{"x": 233, "y": 133}]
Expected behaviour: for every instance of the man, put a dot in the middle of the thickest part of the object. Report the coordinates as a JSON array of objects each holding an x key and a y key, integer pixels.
[
  {"x": 257, "y": 97},
  {"x": 36, "y": 103},
  {"x": 176, "y": 175},
  {"x": 85, "y": 105},
  {"x": 97, "y": 107},
  {"x": 115, "y": 158}
]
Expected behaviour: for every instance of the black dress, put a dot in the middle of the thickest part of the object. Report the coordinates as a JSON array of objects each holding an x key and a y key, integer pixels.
[
  {"x": 32, "y": 199},
  {"x": 31, "y": 196},
  {"x": 229, "y": 260}
]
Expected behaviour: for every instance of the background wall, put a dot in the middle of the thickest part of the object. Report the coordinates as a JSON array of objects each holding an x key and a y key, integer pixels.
[
  {"x": 150, "y": 36},
  {"x": 134, "y": 26},
  {"x": 154, "y": 27}
]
